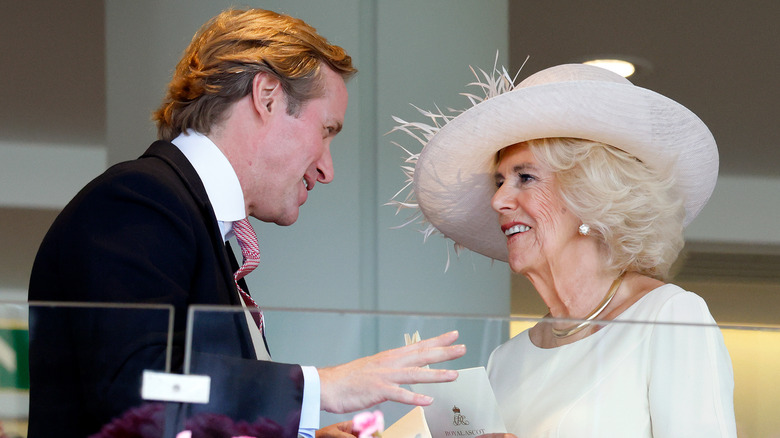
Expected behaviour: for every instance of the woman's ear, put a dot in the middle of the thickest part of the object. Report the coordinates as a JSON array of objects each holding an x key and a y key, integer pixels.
[{"x": 267, "y": 93}]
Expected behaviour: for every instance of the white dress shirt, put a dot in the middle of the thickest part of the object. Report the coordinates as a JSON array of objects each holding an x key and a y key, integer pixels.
[{"x": 224, "y": 192}]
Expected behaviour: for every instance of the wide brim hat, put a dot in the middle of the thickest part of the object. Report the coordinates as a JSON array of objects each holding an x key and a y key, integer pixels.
[{"x": 453, "y": 180}]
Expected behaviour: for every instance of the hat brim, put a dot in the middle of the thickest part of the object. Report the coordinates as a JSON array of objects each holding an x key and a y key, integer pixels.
[{"x": 453, "y": 178}]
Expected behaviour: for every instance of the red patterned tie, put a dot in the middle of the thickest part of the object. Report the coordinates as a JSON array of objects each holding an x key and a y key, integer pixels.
[{"x": 250, "y": 250}]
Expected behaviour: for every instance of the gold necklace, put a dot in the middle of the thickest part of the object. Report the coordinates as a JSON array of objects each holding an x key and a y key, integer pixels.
[{"x": 564, "y": 333}]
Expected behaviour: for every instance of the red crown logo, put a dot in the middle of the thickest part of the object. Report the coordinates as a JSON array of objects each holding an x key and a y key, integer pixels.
[{"x": 456, "y": 409}]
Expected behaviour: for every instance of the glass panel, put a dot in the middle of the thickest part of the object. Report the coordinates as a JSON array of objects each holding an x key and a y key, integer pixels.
[
  {"x": 680, "y": 371},
  {"x": 14, "y": 371},
  {"x": 76, "y": 349},
  {"x": 68, "y": 369}
]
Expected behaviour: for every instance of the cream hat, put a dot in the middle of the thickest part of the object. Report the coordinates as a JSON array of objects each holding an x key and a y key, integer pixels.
[{"x": 452, "y": 177}]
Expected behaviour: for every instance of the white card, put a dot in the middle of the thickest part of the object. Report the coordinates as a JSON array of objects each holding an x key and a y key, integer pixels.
[{"x": 464, "y": 407}]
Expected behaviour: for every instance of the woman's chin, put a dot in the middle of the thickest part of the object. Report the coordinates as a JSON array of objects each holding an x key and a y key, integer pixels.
[{"x": 517, "y": 266}]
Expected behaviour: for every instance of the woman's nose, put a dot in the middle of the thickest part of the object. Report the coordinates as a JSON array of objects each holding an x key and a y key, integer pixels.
[{"x": 503, "y": 200}]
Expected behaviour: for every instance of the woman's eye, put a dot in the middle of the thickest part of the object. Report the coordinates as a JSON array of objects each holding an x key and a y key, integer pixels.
[
  {"x": 524, "y": 177},
  {"x": 499, "y": 183}
]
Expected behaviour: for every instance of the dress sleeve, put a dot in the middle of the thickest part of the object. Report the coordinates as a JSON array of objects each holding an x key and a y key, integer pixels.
[{"x": 691, "y": 382}]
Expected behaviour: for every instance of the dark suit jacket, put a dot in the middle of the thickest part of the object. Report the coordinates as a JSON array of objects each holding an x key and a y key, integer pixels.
[{"x": 142, "y": 232}]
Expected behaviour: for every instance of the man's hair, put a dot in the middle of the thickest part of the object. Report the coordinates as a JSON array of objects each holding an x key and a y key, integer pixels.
[
  {"x": 636, "y": 211},
  {"x": 221, "y": 61}
]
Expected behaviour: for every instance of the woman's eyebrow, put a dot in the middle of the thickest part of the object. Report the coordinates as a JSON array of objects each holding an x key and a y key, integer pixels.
[{"x": 523, "y": 167}]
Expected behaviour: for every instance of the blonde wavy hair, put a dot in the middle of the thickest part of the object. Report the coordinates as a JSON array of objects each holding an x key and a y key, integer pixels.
[
  {"x": 636, "y": 211},
  {"x": 218, "y": 67}
]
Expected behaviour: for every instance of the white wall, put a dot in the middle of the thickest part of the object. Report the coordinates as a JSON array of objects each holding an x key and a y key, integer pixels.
[
  {"x": 46, "y": 175},
  {"x": 742, "y": 210}
]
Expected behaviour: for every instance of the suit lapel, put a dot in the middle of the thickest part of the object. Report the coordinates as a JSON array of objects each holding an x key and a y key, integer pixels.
[
  {"x": 171, "y": 155},
  {"x": 174, "y": 158}
]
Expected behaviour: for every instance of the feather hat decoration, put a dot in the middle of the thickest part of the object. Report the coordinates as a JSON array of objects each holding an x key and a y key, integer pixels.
[{"x": 489, "y": 85}]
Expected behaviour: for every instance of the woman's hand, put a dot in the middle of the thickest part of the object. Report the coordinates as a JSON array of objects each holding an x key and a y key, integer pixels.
[
  {"x": 497, "y": 435},
  {"x": 338, "y": 430}
]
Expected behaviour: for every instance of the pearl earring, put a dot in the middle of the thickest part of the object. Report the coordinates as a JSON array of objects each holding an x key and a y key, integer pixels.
[{"x": 584, "y": 230}]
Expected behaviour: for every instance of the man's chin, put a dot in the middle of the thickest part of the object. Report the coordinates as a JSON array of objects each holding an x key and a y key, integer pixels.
[
  {"x": 287, "y": 220},
  {"x": 282, "y": 220}
]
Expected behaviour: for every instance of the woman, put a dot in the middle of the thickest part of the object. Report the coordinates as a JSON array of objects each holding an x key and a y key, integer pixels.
[{"x": 583, "y": 183}]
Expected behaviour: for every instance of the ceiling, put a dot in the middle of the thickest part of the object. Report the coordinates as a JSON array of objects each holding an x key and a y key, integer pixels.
[{"x": 718, "y": 58}]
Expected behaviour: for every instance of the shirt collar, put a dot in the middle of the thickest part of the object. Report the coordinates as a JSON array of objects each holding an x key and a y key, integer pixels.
[{"x": 220, "y": 180}]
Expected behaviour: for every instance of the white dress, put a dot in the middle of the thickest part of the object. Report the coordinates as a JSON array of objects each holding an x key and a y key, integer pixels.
[{"x": 626, "y": 380}]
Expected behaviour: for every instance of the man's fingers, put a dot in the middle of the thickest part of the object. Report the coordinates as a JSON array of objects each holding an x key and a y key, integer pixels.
[
  {"x": 440, "y": 354},
  {"x": 439, "y": 341},
  {"x": 412, "y": 375},
  {"x": 429, "y": 351},
  {"x": 421, "y": 356},
  {"x": 401, "y": 395},
  {"x": 370, "y": 380}
]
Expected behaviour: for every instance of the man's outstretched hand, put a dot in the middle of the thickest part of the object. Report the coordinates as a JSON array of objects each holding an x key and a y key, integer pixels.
[{"x": 371, "y": 380}]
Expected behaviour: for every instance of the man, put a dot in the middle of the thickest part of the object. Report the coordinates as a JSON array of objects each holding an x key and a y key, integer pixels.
[{"x": 245, "y": 130}]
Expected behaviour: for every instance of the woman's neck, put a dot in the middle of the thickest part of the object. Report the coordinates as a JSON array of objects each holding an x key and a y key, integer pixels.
[
  {"x": 572, "y": 284},
  {"x": 632, "y": 288}
]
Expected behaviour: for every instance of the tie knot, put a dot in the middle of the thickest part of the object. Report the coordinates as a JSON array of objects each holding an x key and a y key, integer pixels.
[{"x": 250, "y": 248}]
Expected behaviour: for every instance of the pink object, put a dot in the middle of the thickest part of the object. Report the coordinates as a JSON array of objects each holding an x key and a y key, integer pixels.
[
  {"x": 369, "y": 424},
  {"x": 188, "y": 434}
]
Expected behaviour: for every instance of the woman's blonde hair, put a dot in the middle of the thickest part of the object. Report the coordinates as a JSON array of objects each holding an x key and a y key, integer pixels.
[
  {"x": 222, "y": 59},
  {"x": 635, "y": 210}
]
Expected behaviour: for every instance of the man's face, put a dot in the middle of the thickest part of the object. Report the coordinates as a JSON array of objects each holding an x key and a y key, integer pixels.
[{"x": 294, "y": 154}]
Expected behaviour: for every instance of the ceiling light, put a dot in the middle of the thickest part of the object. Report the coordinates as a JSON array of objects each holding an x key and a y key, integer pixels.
[{"x": 619, "y": 66}]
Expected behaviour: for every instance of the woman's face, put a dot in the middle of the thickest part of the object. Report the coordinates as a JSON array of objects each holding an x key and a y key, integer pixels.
[{"x": 532, "y": 215}]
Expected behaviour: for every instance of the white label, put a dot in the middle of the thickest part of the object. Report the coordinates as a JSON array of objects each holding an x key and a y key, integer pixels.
[{"x": 185, "y": 388}]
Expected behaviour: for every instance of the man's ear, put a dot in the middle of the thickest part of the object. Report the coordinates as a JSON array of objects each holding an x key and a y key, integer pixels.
[{"x": 267, "y": 93}]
